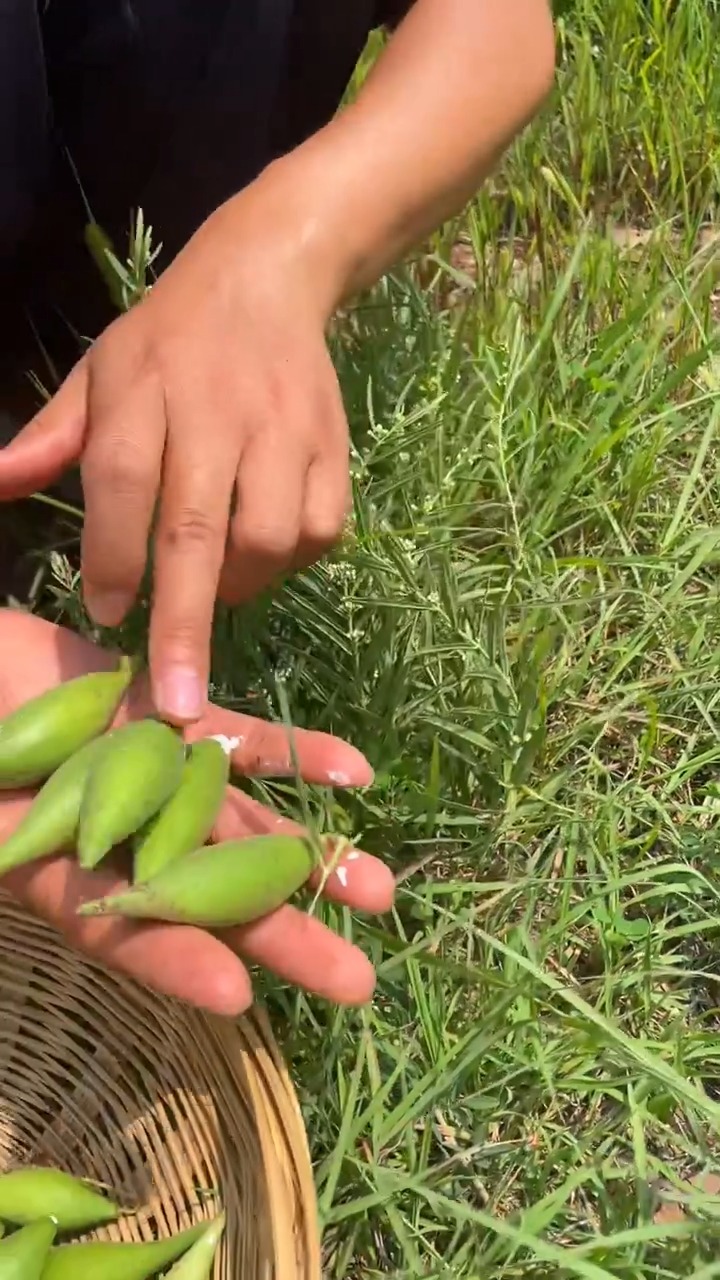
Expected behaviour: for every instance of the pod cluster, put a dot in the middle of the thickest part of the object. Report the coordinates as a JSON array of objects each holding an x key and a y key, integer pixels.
[
  {"x": 102, "y": 787},
  {"x": 45, "y": 1207}
]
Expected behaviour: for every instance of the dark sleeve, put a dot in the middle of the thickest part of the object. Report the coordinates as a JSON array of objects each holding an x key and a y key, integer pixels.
[
  {"x": 391, "y": 12},
  {"x": 24, "y": 121}
]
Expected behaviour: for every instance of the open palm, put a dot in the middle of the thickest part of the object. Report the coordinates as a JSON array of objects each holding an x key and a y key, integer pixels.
[{"x": 180, "y": 960}]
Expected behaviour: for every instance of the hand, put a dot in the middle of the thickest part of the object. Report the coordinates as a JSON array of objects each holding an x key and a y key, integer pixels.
[
  {"x": 217, "y": 387},
  {"x": 180, "y": 960}
]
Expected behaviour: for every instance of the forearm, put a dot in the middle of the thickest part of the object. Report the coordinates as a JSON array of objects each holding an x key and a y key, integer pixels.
[{"x": 458, "y": 81}]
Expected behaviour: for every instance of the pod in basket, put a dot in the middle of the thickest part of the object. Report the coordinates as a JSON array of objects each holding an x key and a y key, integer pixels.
[
  {"x": 102, "y": 1260},
  {"x": 197, "y": 1262},
  {"x": 23, "y": 1254},
  {"x": 27, "y": 1195}
]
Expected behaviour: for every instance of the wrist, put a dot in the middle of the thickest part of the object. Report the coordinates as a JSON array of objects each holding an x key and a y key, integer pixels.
[
  {"x": 309, "y": 204},
  {"x": 417, "y": 142}
]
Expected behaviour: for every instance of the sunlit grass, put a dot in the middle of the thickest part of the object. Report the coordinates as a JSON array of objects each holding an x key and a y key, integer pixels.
[{"x": 523, "y": 633}]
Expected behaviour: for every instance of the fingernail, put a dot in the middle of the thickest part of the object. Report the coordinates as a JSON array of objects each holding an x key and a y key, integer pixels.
[
  {"x": 179, "y": 693},
  {"x": 107, "y": 609}
]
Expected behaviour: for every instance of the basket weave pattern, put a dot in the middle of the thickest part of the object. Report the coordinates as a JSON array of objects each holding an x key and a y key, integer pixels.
[{"x": 173, "y": 1110}]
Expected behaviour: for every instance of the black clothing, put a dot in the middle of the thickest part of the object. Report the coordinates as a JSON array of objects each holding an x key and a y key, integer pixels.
[{"x": 167, "y": 105}]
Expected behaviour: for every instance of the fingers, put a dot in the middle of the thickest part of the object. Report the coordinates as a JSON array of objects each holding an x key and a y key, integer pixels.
[
  {"x": 326, "y": 506},
  {"x": 264, "y": 750},
  {"x": 327, "y": 494},
  {"x": 49, "y": 444},
  {"x": 266, "y": 526},
  {"x": 121, "y": 471},
  {"x": 178, "y": 961},
  {"x": 185, "y": 962},
  {"x": 296, "y": 946},
  {"x": 189, "y": 551},
  {"x": 292, "y": 502},
  {"x": 40, "y": 654},
  {"x": 191, "y": 965},
  {"x": 356, "y": 879},
  {"x": 301, "y": 950}
]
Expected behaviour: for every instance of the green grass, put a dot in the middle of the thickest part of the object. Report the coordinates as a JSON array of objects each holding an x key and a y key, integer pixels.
[{"x": 524, "y": 637}]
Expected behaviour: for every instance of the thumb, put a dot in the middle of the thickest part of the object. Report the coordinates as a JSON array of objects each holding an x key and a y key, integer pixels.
[{"x": 50, "y": 443}]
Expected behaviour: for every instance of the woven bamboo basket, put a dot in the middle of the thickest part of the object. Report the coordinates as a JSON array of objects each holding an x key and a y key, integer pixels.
[{"x": 178, "y": 1113}]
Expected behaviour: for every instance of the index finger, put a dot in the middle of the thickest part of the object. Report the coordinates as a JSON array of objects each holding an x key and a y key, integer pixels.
[
  {"x": 189, "y": 548},
  {"x": 40, "y": 654}
]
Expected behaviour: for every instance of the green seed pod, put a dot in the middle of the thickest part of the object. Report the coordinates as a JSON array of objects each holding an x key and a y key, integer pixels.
[
  {"x": 197, "y": 1262},
  {"x": 187, "y": 819},
  {"x": 23, "y": 1254},
  {"x": 128, "y": 783},
  {"x": 221, "y": 885},
  {"x": 51, "y": 822},
  {"x": 45, "y": 732},
  {"x": 102, "y": 1260},
  {"x": 29, "y": 1194}
]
